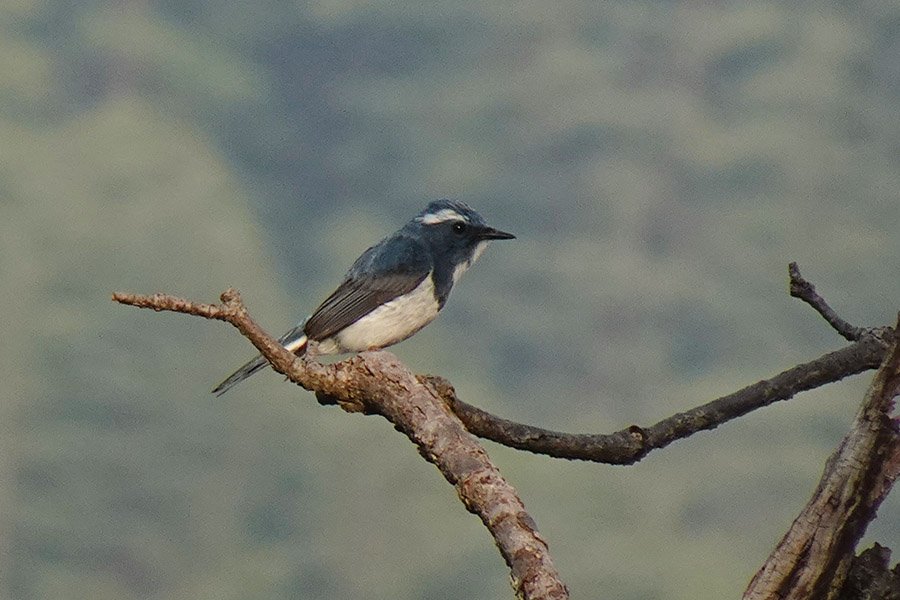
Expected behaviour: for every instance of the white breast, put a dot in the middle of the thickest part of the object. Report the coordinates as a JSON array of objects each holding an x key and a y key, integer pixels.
[{"x": 388, "y": 324}]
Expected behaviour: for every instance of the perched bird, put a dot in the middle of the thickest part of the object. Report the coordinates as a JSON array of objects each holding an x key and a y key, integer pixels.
[{"x": 394, "y": 289}]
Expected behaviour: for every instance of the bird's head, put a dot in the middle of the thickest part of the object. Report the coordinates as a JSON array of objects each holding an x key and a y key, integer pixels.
[{"x": 455, "y": 232}]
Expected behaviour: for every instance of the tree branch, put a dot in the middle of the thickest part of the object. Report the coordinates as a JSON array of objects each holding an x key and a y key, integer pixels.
[
  {"x": 813, "y": 558},
  {"x": 376, "y": 382},
  {"x": 630, "y": 445}
]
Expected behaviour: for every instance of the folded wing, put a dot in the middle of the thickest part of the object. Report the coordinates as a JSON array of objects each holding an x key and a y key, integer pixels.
[{"x": 390, "y": 269}]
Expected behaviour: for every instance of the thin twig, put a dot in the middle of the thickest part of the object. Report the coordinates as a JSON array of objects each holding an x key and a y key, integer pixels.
[{"x": 806, "y": 291}]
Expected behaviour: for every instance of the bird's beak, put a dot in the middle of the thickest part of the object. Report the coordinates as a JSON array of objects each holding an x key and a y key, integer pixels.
[{"x": 489, "y": 233}]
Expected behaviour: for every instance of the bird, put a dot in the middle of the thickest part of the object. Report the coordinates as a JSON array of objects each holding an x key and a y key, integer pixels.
[{"x": 394, "y": 289}]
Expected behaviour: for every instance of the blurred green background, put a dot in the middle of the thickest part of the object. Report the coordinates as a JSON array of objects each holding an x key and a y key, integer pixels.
[{"x": 661, "y": 162}]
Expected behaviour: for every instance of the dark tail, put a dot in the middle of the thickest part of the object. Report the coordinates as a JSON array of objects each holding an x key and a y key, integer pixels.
[
  {"x": 241, "y": 374},
  {"x": 294, "y": 340}
]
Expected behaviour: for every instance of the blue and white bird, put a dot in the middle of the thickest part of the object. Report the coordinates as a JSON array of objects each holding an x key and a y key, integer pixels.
[{"x": 394, "y": 289}]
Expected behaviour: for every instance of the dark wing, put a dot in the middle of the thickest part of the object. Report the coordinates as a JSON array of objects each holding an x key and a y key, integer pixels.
[{"x": 396, "y": 266}]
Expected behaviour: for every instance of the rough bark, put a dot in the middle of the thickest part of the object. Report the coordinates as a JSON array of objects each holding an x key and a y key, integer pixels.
[{"x": 871, "y": 578}]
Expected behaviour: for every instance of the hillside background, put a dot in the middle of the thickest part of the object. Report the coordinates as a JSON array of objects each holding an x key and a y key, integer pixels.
[{"x": 660, "y": 162}]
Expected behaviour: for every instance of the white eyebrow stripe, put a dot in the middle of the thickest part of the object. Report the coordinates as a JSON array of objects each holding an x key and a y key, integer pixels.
[{"x": 441, "y": 216}]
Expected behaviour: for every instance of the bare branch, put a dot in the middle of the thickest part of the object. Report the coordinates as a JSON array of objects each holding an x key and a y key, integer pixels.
[
  {"x": 630, "y": 445},
  {"x": 813, "y": 558},
  {"x": 376, "y": 382},
  {"x": 806, "y": 291}
]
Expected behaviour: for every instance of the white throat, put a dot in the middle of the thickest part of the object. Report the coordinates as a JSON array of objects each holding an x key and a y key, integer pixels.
[{"x": 464, "y": 266}]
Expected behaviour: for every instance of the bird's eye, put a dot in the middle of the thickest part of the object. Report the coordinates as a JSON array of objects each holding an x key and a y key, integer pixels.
[{"x": 459, "y": 227}]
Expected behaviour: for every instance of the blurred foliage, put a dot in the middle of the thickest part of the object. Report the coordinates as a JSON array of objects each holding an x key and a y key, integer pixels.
[{"x": 661, "y": 163}]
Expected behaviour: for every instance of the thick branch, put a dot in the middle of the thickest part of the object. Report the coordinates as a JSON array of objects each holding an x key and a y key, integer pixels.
[
  {"x": 813, "y": 558},
  {"x": 376, "y": 382},
  {"x": 630, "y": 445}
]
